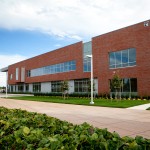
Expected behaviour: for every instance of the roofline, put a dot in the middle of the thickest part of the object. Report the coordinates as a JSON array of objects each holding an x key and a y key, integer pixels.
[
  {"x": 120, "y": 28},
  {"x": 47, "y": 52},
  {"x": 4, "y": 69}
]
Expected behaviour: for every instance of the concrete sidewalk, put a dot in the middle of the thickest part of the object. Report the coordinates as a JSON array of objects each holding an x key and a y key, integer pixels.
[
  {"x": 128, "y": 122},
  {"x": 14, "y": 95},
  {"x": 140, "y": 107}
]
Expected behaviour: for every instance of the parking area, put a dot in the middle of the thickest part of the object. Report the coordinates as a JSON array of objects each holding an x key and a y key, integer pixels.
[{"x": 130, "y": 122}]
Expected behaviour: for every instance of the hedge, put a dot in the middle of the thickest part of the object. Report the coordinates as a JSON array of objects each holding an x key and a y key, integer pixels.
[{"x": 22, "y": 130}]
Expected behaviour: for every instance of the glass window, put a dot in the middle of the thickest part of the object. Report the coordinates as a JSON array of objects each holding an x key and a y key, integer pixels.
[
  {"x": 112, "y": 58},
  {"x": 57, "y": 68},
  {"x": 124, "y": 58},
  {"x": 11, "y": 88},
  {"x": 132, "y": 55},
  {"x": 126, "y": 85},
  {"x": 37, "y": 87},
  {"x": 20, "y": 88},
  {"x": 118, "y": 59},
  {"x": 129, "y": 85},
  {"x": 133, "y": 82},
  {"x": 28, "y": 73},
  {"x": 27, "y": 87},
  {"x": 56, "y": 86},
  {"x": 87, "y": 50},
  {"x": 81, "y": 85}
]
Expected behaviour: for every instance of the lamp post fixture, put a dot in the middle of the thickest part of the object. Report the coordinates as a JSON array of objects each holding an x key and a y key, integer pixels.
[{"x": 90, "y": 56}]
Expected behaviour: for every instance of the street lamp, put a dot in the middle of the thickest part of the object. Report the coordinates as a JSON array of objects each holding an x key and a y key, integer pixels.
[
  {"x": 90, "y": 56},
  {"x": 6, "y": 83}
]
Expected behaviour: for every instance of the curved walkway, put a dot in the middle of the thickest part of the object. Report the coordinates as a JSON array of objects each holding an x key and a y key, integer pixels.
[
  {"x": 140, "y": 107},
  {"x": 129, "y": 122}
]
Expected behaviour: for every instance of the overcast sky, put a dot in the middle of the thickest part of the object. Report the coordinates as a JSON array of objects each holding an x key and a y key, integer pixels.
[{"x": 33, "y": 27}]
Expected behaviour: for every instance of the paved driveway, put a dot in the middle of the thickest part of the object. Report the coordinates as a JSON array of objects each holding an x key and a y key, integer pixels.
[{"x": 124, "y": 121}]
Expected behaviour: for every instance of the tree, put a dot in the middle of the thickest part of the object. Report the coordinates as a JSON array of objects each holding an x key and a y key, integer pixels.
[
  {"x": 116, "y": 83},
  {"x": 65, "y": 88}
]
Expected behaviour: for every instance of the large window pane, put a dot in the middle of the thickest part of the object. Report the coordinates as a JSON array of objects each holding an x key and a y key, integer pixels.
[
  {"x": 56, "y": 86},
  {"x": 122, "y": 58},
  {"x": 126, "y": 85},
  {"x": 133, "y": 82},
  {"x": 81, "y": 85},
  {"x": 118, "y": 57},
  {"x": 87, "y": 50},
  {"x": 112, "y": 58},
  {"x": 57, "y": 68},
  {"x": 20, "y": 88},
  {"x": 132, "y": 55},
  {"x": 129, "y": 85},
  {"x": 36, "y": 87}
]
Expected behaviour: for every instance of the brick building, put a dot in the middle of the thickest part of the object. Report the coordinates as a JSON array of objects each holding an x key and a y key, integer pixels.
[{"x": 126, "y": 51}]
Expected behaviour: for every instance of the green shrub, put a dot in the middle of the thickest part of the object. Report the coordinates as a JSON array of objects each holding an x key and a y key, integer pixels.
[{"x": 20, "y": 130}]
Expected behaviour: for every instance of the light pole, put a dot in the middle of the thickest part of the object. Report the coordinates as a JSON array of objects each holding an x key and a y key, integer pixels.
[
  {"x": 6, "y": 84},
  {"x": 90, "y": 56}
]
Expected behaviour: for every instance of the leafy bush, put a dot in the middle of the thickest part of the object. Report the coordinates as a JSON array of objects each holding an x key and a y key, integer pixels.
[
  {"x": 48, "y": 94},
  {"x": 20, "y": 130},
  {"x": 70, "y": 95}
]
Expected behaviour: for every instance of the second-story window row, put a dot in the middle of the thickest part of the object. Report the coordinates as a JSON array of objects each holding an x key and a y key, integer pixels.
[{"x": 53, "y": 69}]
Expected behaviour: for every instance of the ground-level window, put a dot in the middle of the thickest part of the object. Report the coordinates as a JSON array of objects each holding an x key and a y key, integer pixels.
[
  {"x": 81, "y": 85},
  {"x": 27, "y": 87},
  {"x": 15, "y": 88},
  {"x": 11, "y": 88},
  {"x": 128, "y": 85},
  {"x": 20, "y": 88},
  {"x": 37, "y": 87},
  {"x": 56, "y": 86}
]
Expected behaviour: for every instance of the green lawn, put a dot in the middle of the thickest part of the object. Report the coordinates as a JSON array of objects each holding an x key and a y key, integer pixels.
[{"x": 84, "y": 101}]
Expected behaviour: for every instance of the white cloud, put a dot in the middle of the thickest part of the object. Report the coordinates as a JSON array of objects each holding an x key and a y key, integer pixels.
[
  {"x": 76, "y": 19},
  {"x": 6, "y": 60}
]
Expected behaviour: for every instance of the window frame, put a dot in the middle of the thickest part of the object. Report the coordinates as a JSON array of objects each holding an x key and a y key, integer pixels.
[{"x": 121, "y": 64}]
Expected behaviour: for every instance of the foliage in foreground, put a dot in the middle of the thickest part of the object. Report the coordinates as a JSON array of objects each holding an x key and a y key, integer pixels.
[
  {"x": 148, "y": 108},
  {"x": 20, "y": 130}
]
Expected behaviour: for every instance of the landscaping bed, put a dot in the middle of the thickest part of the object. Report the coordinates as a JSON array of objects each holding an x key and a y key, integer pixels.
[{"x": 20, "y": 130}]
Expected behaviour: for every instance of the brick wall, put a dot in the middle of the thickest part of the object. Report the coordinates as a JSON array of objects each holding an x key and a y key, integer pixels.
[
  {"x": 136, "y": 36},
  {"x": 68, "y": 53}
]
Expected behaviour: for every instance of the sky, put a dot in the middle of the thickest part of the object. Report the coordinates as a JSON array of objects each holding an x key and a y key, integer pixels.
[{"x": 32, "y": 27}]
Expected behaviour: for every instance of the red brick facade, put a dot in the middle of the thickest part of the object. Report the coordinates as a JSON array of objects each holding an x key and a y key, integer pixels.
[
  {"x": 68, "y": 53},
  {"x": 135, "y": 36}
]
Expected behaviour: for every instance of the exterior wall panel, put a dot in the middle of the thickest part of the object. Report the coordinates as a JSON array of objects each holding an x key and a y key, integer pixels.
[
  {"x": 46, "y": 87},
  {"x": 135, "y": 36},
  {"x": 68, "y": 53}
]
